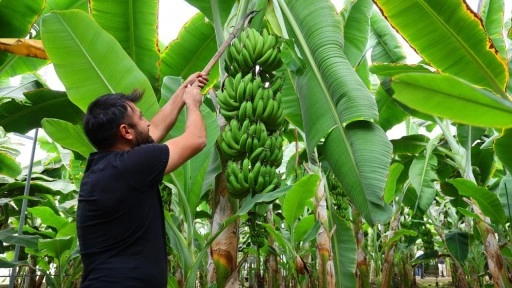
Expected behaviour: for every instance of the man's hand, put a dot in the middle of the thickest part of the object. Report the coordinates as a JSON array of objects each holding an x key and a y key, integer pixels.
[
  {"x": 193, "y": 96},
  {"x": 199, "y": 79}
]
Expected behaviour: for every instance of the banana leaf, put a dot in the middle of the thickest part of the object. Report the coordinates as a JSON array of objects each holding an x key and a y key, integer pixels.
[
  {"x": 422, "y": 174},
  {"x": 357, "y": 31},
  {"x": 390, "y": 113},
  {"x": 487, "y": 200},
  {"x": 386, "y": 47},
  {"x": 491, "y": 12},
  {"x": 193, "y": 173},
  {"x": 68, "y": 136},
  {"x": 191, "y": 51},
  {"x": 23, "y": 116},
  {"x": 332, "y": 95},
  {"x": 206, "y": 7},
  {"x": 296, "y": 198},
  {"x": 505, "y": 195},
  {"x": 450, "y": 37},
  {"x": 449, "y": 97},
  {"x": 502, "y": 147},
  {"x": 16, "y": 20},
  {"x": 134, "y": 25},
  {"x": 76, "y": 46},
  {"x": 345, "y": 251},
  {"x": 9, "y": 166}
]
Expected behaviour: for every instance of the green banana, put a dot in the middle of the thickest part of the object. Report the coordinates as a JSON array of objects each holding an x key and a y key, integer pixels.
[
  {"x": 242, "y": 113},
  {"x": 255, "y": 156}
]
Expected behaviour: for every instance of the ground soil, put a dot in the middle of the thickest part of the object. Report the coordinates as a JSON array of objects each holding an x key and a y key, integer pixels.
[{"x": 431, "y": 282}]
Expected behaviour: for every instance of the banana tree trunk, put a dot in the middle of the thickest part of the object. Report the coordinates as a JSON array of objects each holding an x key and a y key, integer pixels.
[
  {"x": 272, "y": 277},
  {"x": 326, "y": 277},
  {"x": 224, "y": 249},
  {"x": 492, "y": 251},
  {"x": 362, "y": 273},
  {"x": 387, "y": 268}
]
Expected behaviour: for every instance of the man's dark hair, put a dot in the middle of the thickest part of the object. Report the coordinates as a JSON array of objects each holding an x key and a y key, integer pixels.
[{"x": 105, "y": 115}]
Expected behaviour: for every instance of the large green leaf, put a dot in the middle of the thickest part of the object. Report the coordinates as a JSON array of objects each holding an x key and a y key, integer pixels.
[
  {"x": 357, "y": 31},
  {"x": 296, "y": 198},
  {"x": 9, "y": 166},
  {"x": 17, "y": 18},
  {"x": 16, "y": 21},
  {"x": 10, "y": 236},
  {"x": 336, "y": 96},
  {"x": 487, "y": 201},
  {"x": 391, "y": 185},
  {"x": 17, "y": 65},
  {"x": 390, "y": 113},
  {"x": 134, "y": 25},
  {"x": 457, "y": 243},
  {"x": 449, "y": 36},
  {"x": 502, "y": 148},
  {"x": 448, "y": 97},
  {"x": 23, "y": 116},
  {"x": 505, "y": 195},
  {"x": 423, "y": 176},
  {"x": 224, "y": 7},
  {"x": 56, "y": 247},
  {"x": 76, "y": 46},
  {"x": 344, "y": 251},
  {"x": 68, "y": 135},
  {"x": 192, "y": 174},
  {"x": 410, "y": 144},
  {"x": 48, "y": 217},
  {"x": 491, "y": 12},
  {"x": 191, "y": 51},
  {"x": 386, "y": 47}
]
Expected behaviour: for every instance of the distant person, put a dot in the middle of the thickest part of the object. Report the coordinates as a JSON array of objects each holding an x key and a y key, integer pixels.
[
  {"x": 442, "y": 266},
  {"x": 419, "y": 268}
]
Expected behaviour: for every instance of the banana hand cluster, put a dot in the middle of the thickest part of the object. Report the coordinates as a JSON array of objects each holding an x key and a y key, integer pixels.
[
  {"x": 253, "y": 49},
  {"x": 247, "y": 178},
  {"x": 250, "y": 100}
]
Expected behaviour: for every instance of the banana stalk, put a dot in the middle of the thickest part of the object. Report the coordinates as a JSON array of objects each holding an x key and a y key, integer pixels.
[{"x": 272, "y": 265}]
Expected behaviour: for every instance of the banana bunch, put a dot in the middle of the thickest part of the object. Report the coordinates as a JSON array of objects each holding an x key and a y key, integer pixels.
[
  {"x": 250, "y": 100},
  {"x": 245, "y": 178},
  {"x": 253, "y": 49}
]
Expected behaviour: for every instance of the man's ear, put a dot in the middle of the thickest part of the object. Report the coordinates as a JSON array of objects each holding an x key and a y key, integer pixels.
[{"x": 125, "y": 132}]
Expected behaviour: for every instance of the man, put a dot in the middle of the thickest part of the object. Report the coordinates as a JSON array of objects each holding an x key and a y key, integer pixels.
[
  {"x": 442, "y": 266},
  {"x": 419, "y": 267},
  {"x": 120, "y": 221}
]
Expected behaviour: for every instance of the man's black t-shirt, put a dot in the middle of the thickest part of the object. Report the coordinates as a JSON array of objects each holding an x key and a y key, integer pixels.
[{"x": 120, "y": 220}]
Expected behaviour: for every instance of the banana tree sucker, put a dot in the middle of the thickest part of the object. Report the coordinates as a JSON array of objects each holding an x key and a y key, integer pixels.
[
  {"x": 272, "y": 264},
  {"x": 326, "y": 277},
  {"x": 362, "y": 272},
  {"x": 389, "y": 252},
  {"x": 491, "y": 245}
]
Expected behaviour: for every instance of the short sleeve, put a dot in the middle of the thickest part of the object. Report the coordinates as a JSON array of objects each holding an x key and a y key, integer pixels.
[{"x": 145, "y": 164}]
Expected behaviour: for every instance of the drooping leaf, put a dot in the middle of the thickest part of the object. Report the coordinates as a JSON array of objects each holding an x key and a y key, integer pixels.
[
  {"x": 390, "y": 113},
  {"x": 17, "y": 92},
  {"x": 295, "y": 200},
  {"x": 466, "y": 50},
  {"x": 248, "y": 203},
  {"x": 386, "y": 47},
  {"x": 505, "y": 195},
  {"x": 134, "y": 25},
  {"x": 48, "y": 217},
  {"x": 76, "y": 45},
  {"x": 357, "y": 30},
  {"x": 10, "y": 236},
  {"x": 467, "y": 135},
  {"x": 487, "y": 201},
  {"x": 502, "y": 148},
  {"x": 23, "y": 116},
  {"x": 423, "y": 176},
  {"x": 390, "y": 190},
  {"x": 68, "y": 135},
  {"x": 9, "y": 166},
  {"x": 4, "y": 263},
  {"x": 191, "y": 51},
  {"x": 410, "y": 144},
  {"x": 192, "y": 173},
  {"x": 397, "y": 235},
  {"x": 344, "y": 251},
  {"x": 449, "y": 97},
  {"x": 491, "y": 12},
  {"x": 56, "y": 247},
  {"x": 457, "y": 243},
  {"x": 388, "y": 70},
  {"x": 303, "y": 226}
]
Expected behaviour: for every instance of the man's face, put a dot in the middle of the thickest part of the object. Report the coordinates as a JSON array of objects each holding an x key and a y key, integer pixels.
[{"x": 140, "y": 126}]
